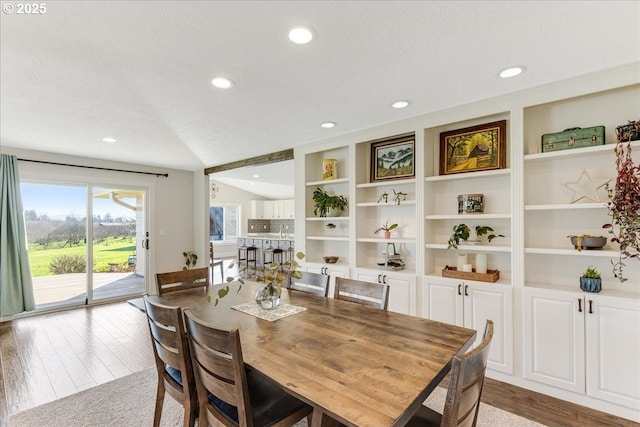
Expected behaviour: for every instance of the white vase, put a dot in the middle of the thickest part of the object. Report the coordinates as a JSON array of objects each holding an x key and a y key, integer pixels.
[
  {"x": 461, "y": 260},
  {"x": 481, "y": 263}
]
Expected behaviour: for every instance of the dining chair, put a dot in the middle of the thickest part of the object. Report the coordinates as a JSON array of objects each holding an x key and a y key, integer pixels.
[
  {"x": 314, "y": 283},
  {"x": 465, "y": 389},
  {"x": 173, "y": 362},
  {"x": 215, "y": 263},
  {"x": 228, "y": 393},
  {"x": 373, "y": 294},
  {"x": 183, "y": 279}
]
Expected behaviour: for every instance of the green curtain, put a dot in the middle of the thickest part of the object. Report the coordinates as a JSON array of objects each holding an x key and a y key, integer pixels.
[{"x": 16, "y": 286}]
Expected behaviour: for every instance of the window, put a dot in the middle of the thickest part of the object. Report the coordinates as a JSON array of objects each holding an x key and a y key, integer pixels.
[{"x": 223, "y": 223}]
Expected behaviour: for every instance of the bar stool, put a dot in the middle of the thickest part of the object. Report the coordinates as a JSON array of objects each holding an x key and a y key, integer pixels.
[
  {"x": 249, "y": 254},
  {"x": 276, "y": 255}
]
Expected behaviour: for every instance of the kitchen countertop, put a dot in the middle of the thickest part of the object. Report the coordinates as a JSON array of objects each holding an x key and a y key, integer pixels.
[{"x": 268, "y": 236}]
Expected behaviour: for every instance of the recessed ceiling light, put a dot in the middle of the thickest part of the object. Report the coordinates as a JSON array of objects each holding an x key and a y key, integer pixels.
[
  {"x": 109, "y": 139},
  {"x": 511, "y": 72},
  {"x": 400, "y": 104},
  {"x": 301, "y": 34},
  {"x": 328, "y": 125},
  {"x": 222, "y": 82},
  {"x": 255, "y": 175}
]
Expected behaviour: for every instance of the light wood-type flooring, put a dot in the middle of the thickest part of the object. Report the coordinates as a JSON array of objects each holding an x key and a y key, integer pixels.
[{"x": 47, "y": 357}]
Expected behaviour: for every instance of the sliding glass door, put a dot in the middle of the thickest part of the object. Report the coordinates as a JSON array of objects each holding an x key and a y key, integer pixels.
[
  {"x": 74, "y": 261},
  {"x": 56, "y": 223},
  {"x": 119, "y": 243}
]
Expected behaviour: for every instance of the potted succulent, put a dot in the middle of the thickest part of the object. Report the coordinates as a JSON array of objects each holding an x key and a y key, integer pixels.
[
  {"x": 268, "y": 297},
  {"x": 624, "y": 209},
  {"x": 590, "y": 280},
  {"x": 327, "y": 205}
]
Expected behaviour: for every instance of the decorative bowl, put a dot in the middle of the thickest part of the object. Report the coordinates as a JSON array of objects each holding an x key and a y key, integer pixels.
[
  {"x": 591, "y": 242},
  {"x": 330, "y": 259}
]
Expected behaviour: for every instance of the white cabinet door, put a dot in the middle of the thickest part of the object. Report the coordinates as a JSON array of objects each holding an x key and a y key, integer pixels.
[
  {"x": 267, "y": 209},
  {"x": 554, "y": 338},
  {"x": 256, "y": 209},
  {"x": 470, "y": 304},
  {"x": 613, "y": 345},
  {"x": 444, "y": 301},
  {"x": 402, "y": 289},
  {"x": 278, "y": 209},
  {"x": 484, "y": 301},
  {"x": 289, "y": 209}
]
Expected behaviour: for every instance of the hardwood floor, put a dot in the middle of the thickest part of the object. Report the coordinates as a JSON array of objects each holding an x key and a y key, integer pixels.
[{"x": 44, "y": 358}]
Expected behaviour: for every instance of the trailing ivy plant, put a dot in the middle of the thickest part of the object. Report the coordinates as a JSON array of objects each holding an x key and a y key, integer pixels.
[{"x": 624, "y": 209}]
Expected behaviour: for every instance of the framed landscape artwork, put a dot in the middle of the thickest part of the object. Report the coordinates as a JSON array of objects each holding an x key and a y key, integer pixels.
[
  {"x": 473, "y": 149},
  {"x": 393, "y": 159}
]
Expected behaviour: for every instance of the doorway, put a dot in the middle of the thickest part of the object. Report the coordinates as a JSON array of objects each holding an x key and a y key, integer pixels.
[{"x": 75, "y": 261}]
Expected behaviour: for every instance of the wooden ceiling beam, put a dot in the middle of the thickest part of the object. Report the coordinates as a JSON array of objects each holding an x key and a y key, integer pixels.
[{"x": 278, "y": 156}]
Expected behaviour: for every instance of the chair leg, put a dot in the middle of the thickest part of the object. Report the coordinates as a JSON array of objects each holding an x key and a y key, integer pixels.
[
  {"x": 190, "y": 414},
  {"x": 159, "y": 402}
]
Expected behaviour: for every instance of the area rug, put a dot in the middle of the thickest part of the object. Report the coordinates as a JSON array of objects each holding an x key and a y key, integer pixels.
[
  {"x": 138, "y": 303},
  {"x": 129, "y": 402}
]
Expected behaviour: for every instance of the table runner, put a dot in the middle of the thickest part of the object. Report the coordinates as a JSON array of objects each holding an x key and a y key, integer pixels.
[{"x": 277, "y": 313}]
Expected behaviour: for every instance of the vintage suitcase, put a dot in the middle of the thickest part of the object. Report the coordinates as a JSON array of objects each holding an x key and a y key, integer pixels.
[{"x": 573, "y": 138}]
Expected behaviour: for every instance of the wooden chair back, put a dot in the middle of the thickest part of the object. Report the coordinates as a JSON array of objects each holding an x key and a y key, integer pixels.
[
  {"x": 373, "y": 294},
  {"x": 465, "y": 384},
  {"x": 183, "y": 279},
  {"x": 171, "y": 352},
  {"x": 229, "y": 394},
  {"x": 464, "y": 392},
  {"x": 314, "y": 283}
]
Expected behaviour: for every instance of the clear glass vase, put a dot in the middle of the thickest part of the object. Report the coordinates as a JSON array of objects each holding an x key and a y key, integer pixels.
[{"x": 268, "y": 297}]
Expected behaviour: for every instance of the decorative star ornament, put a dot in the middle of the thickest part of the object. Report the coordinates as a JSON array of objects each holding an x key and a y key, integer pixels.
[{"x": 585, "y": 187}]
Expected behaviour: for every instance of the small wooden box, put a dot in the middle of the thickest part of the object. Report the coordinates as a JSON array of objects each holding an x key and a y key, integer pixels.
[
  {"x": 490, "y": 276},
  {"x": 573, "y": 138}
]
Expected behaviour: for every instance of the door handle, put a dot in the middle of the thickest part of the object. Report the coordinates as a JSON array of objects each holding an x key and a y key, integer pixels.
[
  {"x": 384, "y": 279},
  {"x": 459, "y": 289},
  {"x": 590, "y": 306},
  {"x": 579, "y": 305},
  {"x": 466, "y": 290}
]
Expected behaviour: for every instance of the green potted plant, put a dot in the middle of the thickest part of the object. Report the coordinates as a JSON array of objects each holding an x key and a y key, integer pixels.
[
  {"x": 327, "y": 205},
  {"x": 190, "y": 259},
  {"x": 461, "y": 232},
  {"x": 590, "y": 280}
]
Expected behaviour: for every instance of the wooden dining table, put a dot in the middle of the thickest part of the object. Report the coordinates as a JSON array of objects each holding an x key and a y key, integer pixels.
[{"x": 360, "y": 365}]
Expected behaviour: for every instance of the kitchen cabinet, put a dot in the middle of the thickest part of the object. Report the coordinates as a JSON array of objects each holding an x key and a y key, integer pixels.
[
  {"x": 585, "y": 343},
  {"x": 272, "y": 209},
  {"x": 402, "y": 288},
  {"x": 469, "y": 303}
]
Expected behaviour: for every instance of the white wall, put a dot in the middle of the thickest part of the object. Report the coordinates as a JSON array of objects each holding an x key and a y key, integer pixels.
[{"x": 171, "y": 200}]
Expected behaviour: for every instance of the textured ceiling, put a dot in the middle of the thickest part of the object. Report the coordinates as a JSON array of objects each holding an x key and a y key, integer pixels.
[{"x": 140, "y": 71}]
